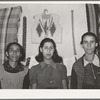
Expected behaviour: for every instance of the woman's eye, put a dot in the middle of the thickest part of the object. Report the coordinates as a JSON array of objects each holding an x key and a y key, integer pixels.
[
  {"x": 10, "y": 50},
  {"x": 18, "y": 50},
  {"x": 85, "y": 42},
  {"x": 92, "y": 41},
  {"x": 51, "y": 48},
  {"x": 46, "y": 48}
]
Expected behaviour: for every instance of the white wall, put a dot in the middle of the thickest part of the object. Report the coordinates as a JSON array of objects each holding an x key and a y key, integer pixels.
[
  {"x": 65, "y": 49},
  {"x": 64, "y": 10}
]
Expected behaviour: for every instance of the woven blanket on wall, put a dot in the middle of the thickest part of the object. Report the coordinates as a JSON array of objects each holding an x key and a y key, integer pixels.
[{"x": 9, "y": 24}]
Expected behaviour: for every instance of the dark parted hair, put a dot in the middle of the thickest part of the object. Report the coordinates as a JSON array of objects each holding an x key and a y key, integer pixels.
[
  {"x": 56, "y": 58},
  {"x": 89, "y": 34},
  {"x": 22, "y": 58}
]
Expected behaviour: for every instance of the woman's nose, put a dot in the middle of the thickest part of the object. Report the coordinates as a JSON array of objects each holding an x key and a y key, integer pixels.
[
  {"x": 14, "y": 52},
  {"x": 49, "y": 50},
  {"x": 88, "y": 45}
]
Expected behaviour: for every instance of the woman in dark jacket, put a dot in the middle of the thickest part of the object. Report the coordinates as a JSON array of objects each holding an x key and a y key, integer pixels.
[{"x": 86, "y": 70}]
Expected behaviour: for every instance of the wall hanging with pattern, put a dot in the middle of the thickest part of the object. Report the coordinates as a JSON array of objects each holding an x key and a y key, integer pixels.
[{"x": 46, "y": 25}]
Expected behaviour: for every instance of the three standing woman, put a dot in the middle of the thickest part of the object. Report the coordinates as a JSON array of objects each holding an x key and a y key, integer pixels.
[{"x": 51, "y": 73}]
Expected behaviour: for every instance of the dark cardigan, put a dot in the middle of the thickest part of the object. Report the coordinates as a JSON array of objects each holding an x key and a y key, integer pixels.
[{"x": 78, "y": 74}]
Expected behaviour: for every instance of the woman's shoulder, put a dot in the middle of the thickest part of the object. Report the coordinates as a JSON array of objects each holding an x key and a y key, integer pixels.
[
  {"x": 35, "y": 67},
  {"x": 78, "y": 62},
  {"x": 33, "y": 70},
  {"x": 60, "y": 66}
]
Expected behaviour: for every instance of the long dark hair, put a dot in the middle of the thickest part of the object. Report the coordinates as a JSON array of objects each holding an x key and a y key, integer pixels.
[
  {"x": 22, "y": 58},
  {"x": 56, "y": 58}
]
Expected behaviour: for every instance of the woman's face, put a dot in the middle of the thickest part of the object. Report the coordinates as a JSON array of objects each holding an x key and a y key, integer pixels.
[
  {"x": 47, "y": 50},
  {"x": 89, "y": 44},
  {"x": 14, "y": 53}
]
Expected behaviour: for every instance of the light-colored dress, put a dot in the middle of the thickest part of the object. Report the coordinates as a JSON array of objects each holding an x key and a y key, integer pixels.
[{"x": 12, "y": 80}]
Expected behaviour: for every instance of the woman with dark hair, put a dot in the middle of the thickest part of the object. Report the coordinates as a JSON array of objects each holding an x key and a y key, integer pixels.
[
  {"x": 86, "y": 70},
  {"x": 14, "y": 73},
  {"x": 50, "y": 73},
  {"x": 22, "y": 58},
  {"x": 56, "y": 58}
]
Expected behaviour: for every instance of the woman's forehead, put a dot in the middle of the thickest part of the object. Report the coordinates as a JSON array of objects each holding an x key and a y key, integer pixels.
[
  {"x": 48, "y": 43},
  {"x": 14, "y": 46},
  {"x": 89, "y": 37}
]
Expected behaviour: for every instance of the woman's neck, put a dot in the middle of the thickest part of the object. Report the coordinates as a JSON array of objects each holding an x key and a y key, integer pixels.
[
  {"x": 47, "y": 61},
  {"x": 89, "y": 57},
  {"x": 13, "y": 64}
]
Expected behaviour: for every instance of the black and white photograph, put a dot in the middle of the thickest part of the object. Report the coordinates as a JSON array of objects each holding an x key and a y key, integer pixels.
[{"x": 50, "y": 46}]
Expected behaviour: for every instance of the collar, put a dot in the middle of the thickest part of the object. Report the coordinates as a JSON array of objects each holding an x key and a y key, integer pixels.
[
  {"x": 43, "y": 64},
  {"x": 8, "y": 68},
  {"x": 95, "y": 61}
]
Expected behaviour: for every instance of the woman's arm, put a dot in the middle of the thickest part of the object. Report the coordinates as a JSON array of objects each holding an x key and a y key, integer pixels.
[
  {"x": 33, "y": 86},
  {"x": 26, "y": 81},
  {"x": 33, "y": 78},
  {"x": 64, "y": 83},
  {"x": 64, "y": 77},
  {"x": 73, "y": 79}
]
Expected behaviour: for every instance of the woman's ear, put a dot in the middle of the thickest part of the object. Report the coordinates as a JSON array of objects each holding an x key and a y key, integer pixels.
[
  {"x": 96, "y": 44},
  {"x": 82, "y": 45},
  {"x": 20, "y": 54},
  {"x": 41, "y": 49},
  {"x": 7, "y": 54}
]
